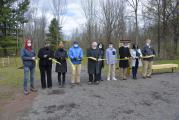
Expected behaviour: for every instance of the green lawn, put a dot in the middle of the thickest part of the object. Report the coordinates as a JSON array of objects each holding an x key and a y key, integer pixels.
[{"x": 11, "y": 75}]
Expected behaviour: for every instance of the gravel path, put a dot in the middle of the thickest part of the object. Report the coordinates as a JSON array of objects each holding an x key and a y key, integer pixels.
[{"x": 149, "y": 99}]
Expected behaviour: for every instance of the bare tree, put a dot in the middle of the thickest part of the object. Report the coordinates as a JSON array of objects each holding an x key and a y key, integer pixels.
[
  {"x": 113, "y": 19},
  {"x": 59, "y": 8},
  {"x": 134, "y": 4}
]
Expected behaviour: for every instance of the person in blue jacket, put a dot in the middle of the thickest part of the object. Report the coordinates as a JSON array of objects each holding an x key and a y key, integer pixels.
[
  {"x": 28, "y": 58},
  {"x": 75, "y": 54}
]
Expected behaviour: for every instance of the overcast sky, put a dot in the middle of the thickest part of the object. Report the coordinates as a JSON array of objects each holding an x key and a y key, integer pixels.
[{"x": 73, "y": 18}]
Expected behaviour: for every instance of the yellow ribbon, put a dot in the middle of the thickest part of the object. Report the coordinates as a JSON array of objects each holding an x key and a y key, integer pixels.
[
  {"x": 55, "y": 61},
  {"x": 72, "y": 65}
]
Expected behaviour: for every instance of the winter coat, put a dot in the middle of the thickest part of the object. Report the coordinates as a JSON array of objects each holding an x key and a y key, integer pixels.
[
  {"x": 45, "y": 61},
  {"x": 124, "y": 52},
  {"x": 26, "y": 56},
  {"x": 93, "y": 66},
  {"x": 101, "y": 56},
  {"x": 135, "y": 56},
  {"x": 111, "y": 56},
  {"x": 75, "y": 54},
  {"x": 61, "y": 56},
  {"x": 148, "y": 50}
]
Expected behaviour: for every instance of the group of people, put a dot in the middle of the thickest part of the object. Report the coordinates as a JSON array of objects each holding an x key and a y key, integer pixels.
[{"x": 96, "y": 56}]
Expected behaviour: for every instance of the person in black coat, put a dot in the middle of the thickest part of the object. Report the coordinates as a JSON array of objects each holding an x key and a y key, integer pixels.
[
  {"x": 124, "y": 53},
  {"x": 101, "y": 56},
  {"x": 45, "y": 65},
  {"x": 93, "y": 66},
  {"x": 61, "y": 69}
]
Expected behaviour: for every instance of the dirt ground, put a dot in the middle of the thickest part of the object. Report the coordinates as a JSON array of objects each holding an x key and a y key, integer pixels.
[{"x": 149, "y": 99}]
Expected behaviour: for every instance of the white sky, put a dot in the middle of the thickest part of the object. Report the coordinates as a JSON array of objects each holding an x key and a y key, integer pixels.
[{"x": 73, "y": 18}]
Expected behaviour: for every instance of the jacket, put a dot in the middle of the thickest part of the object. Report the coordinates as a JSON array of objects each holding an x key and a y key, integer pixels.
[
  {"x": 134, "y": 57},
  {"x": 26, "y": 56},
  {"x": 45, "y": 61},
  {"x": 124, "y": 52},
  {"x": 111, "y": 55},
  {"x": 93, "y": 66},
  {"x": 148, "y": 50},
  {"x": 61, "y": 56},
  {"x": 75, "y": 54}
]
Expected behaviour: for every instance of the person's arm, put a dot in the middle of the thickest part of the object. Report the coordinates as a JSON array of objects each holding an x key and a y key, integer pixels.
[
  {"x": 132, "y": 54},
  {"x": 51, "y": 54},
  {"x": 144, "y": 51},
  {"x": 25, "y": 57},
  {"x": 129, "y": 54},
  {"x": 107, "y": 56},
  {"x": 154, "y": 53},
  {"x": 56, "y": 55},
  {"x": 40, "y": 55},
  {"x": 70, "y": 54},
  {"x": 81, "y": 54},
  {"x": 140, "y": 53}
]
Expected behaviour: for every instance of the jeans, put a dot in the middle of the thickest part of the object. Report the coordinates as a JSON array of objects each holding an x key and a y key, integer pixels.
[
  {"x": 135, "y": 69},
  {"x": 26, "y": 77}
]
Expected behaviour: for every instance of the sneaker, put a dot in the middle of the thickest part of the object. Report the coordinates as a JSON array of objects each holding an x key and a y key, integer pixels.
[
  {"x": 114, "y": 79},
  {"x": 108, "y": 79},
  {"x": 144, "y": 77},
  {"x": 33, "y": 90},
  {"x": 26, "y": 92},
  {"x": 89, "y": 83}
]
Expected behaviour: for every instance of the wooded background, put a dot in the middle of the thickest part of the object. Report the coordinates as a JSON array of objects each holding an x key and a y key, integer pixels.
[{"x": 106, "y": 21}]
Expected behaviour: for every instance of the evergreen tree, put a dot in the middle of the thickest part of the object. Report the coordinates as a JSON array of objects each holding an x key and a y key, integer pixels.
[
  {"x": 12, "y": 17},
  {"x": 55, "y": 33}
]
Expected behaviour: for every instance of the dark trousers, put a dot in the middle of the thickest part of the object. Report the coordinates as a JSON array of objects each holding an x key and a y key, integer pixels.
[
  {"x": 99, "y": 75},
  {"x": 135, "y": 69},
  {"x": 61, "y": 78},
  {"x": 46, "y": 71},
  {"x": 93, "y": 77}
]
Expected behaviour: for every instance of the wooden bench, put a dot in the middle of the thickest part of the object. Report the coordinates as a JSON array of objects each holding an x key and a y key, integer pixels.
[{"x": 165, "y": 66}]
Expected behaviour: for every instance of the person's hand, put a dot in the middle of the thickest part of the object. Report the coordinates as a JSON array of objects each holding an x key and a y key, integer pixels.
[
  {"x": 76, "y": 59},
  {"x": 45, "y": 56},
  {"x": 33, "y": 58},
  {"x": 99, "y": 59}
]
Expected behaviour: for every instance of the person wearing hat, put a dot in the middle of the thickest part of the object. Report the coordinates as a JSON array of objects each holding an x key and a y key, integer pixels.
[
  {"x": 148, "y": 62},
  {"x": 93, "y": 66},
  {"x": 111, "y": 61},
  {"x": 75, "y": 54},
  {"x": 45, "y": 65},
  {"x": 28, "y": 58},
  {"x": 124, "y": 54},
  {"x": 61, "y": 69}
]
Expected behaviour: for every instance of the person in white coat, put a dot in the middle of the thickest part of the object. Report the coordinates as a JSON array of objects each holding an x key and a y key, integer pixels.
[{"x": 136, "y": 55}]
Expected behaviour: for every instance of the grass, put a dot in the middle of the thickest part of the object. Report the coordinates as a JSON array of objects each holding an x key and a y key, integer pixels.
[{"x": 11, "y": 78}]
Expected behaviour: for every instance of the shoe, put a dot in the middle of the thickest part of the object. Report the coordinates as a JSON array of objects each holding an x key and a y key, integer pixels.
[
  {"x": 72, "y": 85},
  {"x": 33, "y": 90},
  {"x": 149, "y": 77},
  {"x": 26, "y": 92},
  {"x": 96, "y": 83},
  {"x": 114, "y": 79},
  {"x": 108, "y": 79},
  {"x": 89, "y": 83},
  {"x": 144, "y": 77}
]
